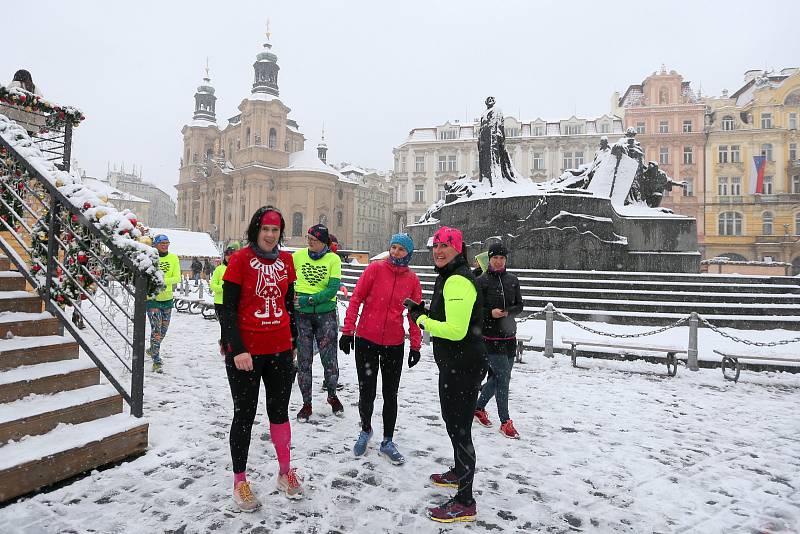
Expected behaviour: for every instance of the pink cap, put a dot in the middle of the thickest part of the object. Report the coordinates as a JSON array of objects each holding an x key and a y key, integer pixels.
[{"x": 450, "y": 236}]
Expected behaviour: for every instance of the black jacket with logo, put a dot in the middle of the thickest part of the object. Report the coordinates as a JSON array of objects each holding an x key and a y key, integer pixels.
[{"x": 499, "y": 290}]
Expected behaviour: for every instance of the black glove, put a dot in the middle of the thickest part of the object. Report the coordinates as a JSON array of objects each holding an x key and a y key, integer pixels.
[
  {"x": 415, "y": 309},
  {"x": 413, "y": 358},
  {"x": 346, "y": 343}
]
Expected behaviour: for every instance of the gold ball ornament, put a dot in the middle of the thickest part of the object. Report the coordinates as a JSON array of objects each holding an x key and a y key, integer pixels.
[{"x": 147, "y": 240}]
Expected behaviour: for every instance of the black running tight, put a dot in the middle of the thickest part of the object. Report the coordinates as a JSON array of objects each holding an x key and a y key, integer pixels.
[{"x": 389, "y": 359}]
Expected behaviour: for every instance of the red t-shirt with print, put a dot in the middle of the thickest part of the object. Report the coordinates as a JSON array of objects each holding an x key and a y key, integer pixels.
[{"x": 262, "y": 317}]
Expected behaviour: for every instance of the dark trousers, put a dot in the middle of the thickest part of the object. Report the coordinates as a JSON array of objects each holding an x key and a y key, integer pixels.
[
  {"x": 277, "y": 372},
  {"x": 371, "y": 357},
  {"x": 459, "y": 385}
]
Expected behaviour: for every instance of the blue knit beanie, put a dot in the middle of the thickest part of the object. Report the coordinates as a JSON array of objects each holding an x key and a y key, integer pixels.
[{"x": 404, "y": 240}]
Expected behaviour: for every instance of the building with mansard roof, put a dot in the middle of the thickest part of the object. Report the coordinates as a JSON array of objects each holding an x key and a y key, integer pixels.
[{"x": 258, "y": 157}]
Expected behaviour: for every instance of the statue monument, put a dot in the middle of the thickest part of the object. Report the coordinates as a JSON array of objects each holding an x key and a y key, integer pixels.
[{"x": 605, "y": 215}]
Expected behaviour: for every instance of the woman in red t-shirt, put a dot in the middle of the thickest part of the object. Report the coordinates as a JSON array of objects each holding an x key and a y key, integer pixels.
[{"x": 258, "y": 333}]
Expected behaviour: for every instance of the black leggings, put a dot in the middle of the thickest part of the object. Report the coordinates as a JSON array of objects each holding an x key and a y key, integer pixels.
[
  {"x": 459, "y": 385},
  {"x": 277, "y": 372},
  {"x": 369, "y": 358}
]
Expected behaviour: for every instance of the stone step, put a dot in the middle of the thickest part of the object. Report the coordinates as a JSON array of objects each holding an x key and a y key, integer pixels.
[
  {"x": 11, "y": 281},
  {"x": 5, "y": 263},
  {"x": 703, "y": 308},
  {"x": 39, "y": 414},
  {"x": 28, "y": 324},
  {"x": 20, "y": 301},
  {"x": 680, "y": 296},
  {"x": 47, "y": 378},
  {"x": 20, "y": 351},
  {"x": 68, "y": 450}
]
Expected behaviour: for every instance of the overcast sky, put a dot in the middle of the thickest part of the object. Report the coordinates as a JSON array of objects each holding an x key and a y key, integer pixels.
[{"x": 371, "y": 70}]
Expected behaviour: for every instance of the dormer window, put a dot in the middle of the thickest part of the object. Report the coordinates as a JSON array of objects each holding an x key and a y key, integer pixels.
[{"x": 573, "y": 129}]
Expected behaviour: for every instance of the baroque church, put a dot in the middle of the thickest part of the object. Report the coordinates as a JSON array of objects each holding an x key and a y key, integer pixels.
[{"x": 259, "y": 157}]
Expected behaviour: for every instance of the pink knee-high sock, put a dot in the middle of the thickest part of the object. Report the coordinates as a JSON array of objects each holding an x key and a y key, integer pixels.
[
  {"x": 281, "y": 438},
  {"x": 239, "y": 477}
]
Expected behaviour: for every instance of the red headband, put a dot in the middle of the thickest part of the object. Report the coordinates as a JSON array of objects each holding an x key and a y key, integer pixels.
[{"x": 271, "y": 217}]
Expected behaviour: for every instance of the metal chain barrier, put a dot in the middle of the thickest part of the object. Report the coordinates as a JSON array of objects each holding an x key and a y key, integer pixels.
[
  {"x": 620, "y": 336},
  {"x": 747, "y": 341}
]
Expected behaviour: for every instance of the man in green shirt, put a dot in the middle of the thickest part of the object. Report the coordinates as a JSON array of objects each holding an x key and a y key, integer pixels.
[
  {"x": 159, "y": 309},
  {"x": 319, "y": 272}
]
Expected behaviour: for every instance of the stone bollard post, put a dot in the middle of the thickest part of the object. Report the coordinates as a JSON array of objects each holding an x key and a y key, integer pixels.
[
  {"x": 691, "y": 362},
  {"x": 548, "y": 330},
  {"x": 200, "y": 295}
]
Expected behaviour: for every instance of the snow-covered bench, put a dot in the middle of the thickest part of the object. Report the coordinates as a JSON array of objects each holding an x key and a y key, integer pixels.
[
  {"x": 629, "y": 352},
  {"x": 734, "y": 363}
]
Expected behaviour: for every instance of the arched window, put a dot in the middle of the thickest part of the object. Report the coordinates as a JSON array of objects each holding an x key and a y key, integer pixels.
[
  {"x": 663, "y": 96},
  {"x": 339, "y": 218},
  {"x": 297, "y": 221},
  {"x": 766, "y": 151},
  {"x": 247, "y": 137},
  {"x": 209, "y": 153},
  {"x": 728, "y": 123},
  {"x": 766, "y": 223},
  {"x": 273, "y": 139},
  {"x": 797, "y": 223},
  {"x": 213, "y": 212},
  {"x": 730, "y": 223}
]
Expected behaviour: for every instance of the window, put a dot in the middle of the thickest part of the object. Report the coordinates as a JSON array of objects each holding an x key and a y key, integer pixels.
[
  {"x": 442, "y": 163},
  {"x": 722, "y": 186},
  {"x": 538, "y": 130},
  {"x": 723, "y": 154},
  {"x": 339, "y": 218},
  {"x": 766, "y": 223},
  {"x": 573, "y": 129},
  {"x": 663, "y": 126},
  {"x": 403, "y": 164},
  {"x": 448, "y": 134},
  {"x": 420, "y": 164},
  {"x": 792, "y": 151},
  {"x": 688, "y": 191},
  {"x": 258, "y": 139},
  {"x": 578, "y": 159},
  {"x": 766, "y": 120},
  {"x": 297, "y": 224},
  {"x": 213, "y": 212},
  {"x": 687, "y": 155},
  {"x": 727, "y": 123},
  {"x": 538, "y": 161},
  {"x": 687, "y": 126},
  {"x": 663, "y": 155},
  {"x": 766, "y": 151},
  {"x": 796, "y": 184},
  {"x": 736, "y": 186},
  {"x": 273, "y": 139},
  {"x": 567, "y": 161},
  {"x": 730, "y": 223},
  {"x": 768, "y": 185},
  {"x": 511, "y": 132},
  {"x": 419, "y": 193},
  {"x": 238, "y": 144},
  {"x": 640, "y": 127},
  {"x": 797, "y": 223},
  {"x": 242, "y": 209},
  {"x": 735, "y": 154},
  {"x": 792, "y": 121},
  {"x": 605, "y": 128},
  {"x": 247, "y": 137},
  {"x": 440, "y": 193},
  {"x": 451, "y": 163}
]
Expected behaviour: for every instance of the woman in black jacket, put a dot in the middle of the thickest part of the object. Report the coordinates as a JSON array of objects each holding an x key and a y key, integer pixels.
[{"x": 502, "y": 302}]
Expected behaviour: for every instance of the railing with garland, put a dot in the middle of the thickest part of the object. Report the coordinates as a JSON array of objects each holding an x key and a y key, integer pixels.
[{"x": 73, "y": 247}]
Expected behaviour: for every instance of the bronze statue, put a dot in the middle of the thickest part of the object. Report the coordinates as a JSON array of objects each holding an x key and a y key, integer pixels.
[{"x": 493, "y": 160}]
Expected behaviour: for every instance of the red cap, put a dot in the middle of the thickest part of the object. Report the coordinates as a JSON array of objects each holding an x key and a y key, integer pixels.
[{"x": 450, "y": 236}]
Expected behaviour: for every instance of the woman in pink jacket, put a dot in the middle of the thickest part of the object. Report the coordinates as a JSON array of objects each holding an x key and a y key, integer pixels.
[{"x": 380, "y": 336}]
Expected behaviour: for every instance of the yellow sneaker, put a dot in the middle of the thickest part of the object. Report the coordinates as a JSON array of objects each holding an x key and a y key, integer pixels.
[
  {"x": 290, "y": 485},
  {"x": 244, "y": 498}
]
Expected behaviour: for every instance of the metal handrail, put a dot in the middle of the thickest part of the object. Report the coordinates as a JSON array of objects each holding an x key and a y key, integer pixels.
[{"x": 51, "y": 221}]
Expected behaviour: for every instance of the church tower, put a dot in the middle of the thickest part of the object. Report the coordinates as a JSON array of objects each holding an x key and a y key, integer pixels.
[
  {"x": 266, "y": 70},
  {"x": 322, "y": 148},
  {"x": 205, "y": 101}
]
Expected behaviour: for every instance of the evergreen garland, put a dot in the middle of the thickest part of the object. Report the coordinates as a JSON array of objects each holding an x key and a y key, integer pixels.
[{"x": 57, "y": 116}]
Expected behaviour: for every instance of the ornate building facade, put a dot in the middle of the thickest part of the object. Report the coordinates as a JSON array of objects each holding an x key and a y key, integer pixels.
[
  {"x": 259, "y": 157},
  {"x": 541, "y": 150},
  {"x": 162, "y": 209},
  {"x": 669, "y": 118},
  {"x": 748, "y": 218},
  {"x": 373, "y": 208}
]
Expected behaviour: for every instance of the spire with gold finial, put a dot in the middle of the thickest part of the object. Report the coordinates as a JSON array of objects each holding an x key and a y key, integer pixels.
[{"x": 266, "y": 69}]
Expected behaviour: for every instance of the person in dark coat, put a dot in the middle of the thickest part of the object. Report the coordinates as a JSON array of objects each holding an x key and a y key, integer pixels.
[{"x": 502, "y": 302}]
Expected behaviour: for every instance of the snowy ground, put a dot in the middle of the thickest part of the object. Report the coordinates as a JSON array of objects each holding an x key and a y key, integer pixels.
[{"x": 608, "y": 447}]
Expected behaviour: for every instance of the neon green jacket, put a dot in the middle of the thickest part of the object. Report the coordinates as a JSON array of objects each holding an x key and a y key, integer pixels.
[
  {"x": 172, "y": 275},
  {"x": 317, "y": 281},
  {"x": 216, "y": 282},
  {"x": 459, "y": 297}
]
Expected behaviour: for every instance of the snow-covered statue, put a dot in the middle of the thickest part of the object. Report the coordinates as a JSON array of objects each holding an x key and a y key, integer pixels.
[
  {"x": 650, "y": 186},
  {"x": 493, "y": 160}
]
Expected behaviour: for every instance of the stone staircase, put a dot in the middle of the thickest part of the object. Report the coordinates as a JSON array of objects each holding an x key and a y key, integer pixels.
[
  {"x": 744, "y": 302},
  {"x": 57, "y": 419}
]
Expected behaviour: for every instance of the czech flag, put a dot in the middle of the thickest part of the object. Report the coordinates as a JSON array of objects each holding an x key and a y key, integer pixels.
[{"x": 757, "y": 175}]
